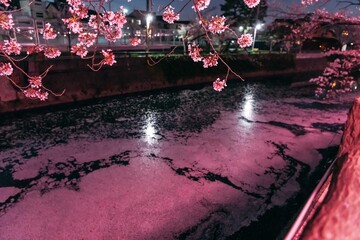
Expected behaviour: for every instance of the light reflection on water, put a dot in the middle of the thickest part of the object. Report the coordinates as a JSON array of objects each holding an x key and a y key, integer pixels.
[
  {"x": 149, "y": 130},
  {"x": 248, "y": 106}
]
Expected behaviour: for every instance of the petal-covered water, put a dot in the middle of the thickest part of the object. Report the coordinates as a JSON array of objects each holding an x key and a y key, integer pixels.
[{"x": 176, "y": 164}]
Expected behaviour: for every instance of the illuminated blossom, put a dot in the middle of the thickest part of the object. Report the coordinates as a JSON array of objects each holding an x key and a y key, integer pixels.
[
  {"x": 87, "y": 39},
  {"x": 135, "y": 41},
  {"x": 35, "y": 82},
  {"x": 251, "y": 3},
  {"x": 201, "y": 4},
  {"x": 169, "y": 15},
  {"x": 35, "y": 93},
  {"x": 74, "y": 3},
  {"x": 210, "y": 61},
  {"x": 111, "y": 33},
  {"x": 11, "y": 46},
  {"x": 6, "y": 21},
  {"x": 49, "y": 32},
  {"x": 219, "y": 85},
  {"x": 217, "y": 24},
  {"x": 31, "y": 92},
  {"x": 5, "y": 2},
  {"x": 42, "y": 95},
  {"x": 50, "y": 52},
  {"x": 5, "y": 69},
  {"x": 34, "y": 49},
  {"x": 109, "y": 57},
  {"x": 80, "y": 11},
  {"x": 194, "y": 52},
  {"x": 79, "y": 50},
  {"x": 117, "y": 18},
  {"x": 73, "y": 24},
  {"x": 93, "y": 21},
  {"x": 245, "y": 40}
]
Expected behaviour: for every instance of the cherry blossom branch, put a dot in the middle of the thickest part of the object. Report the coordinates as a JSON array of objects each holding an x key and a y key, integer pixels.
[
  {"x": 210, "y": 42},
  {"x": 153, "y": 62}
]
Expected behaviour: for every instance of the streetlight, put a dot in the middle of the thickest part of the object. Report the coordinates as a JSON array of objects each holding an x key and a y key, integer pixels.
[
  {"x": 149, "y": 18},
  {"x": 257, "y": 27}
]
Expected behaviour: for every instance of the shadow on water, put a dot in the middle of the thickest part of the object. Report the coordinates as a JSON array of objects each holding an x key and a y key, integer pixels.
[{"x": 276, "y": 222}]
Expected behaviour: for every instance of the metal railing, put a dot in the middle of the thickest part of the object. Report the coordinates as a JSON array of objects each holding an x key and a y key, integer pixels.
[{"x": 28, "y": 32}]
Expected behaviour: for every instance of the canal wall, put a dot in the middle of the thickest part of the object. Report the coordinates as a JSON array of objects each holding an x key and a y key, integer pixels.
[
  {"x": 338, "y": 213},
  {"x": 137, "y": 74}
]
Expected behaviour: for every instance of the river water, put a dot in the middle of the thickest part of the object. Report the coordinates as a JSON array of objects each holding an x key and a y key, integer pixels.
[{"x": 174, "y": 164}]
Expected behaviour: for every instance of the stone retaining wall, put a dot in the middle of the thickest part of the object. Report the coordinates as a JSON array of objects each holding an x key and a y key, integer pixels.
[{"x": 130, "y": 75}]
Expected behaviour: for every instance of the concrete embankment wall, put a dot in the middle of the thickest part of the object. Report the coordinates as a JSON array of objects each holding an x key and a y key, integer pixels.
[
  {"x": 338, "y": 215},
  {"x": 134, "y": 74}
]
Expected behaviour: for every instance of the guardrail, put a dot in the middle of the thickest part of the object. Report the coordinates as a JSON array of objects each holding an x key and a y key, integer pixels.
[
  {"x": 28, "y": 32},
  {"x": 315, "y": 199}
]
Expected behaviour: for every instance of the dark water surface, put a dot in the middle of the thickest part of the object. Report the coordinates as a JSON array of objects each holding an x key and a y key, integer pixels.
[{"x": 173, "y": 164}]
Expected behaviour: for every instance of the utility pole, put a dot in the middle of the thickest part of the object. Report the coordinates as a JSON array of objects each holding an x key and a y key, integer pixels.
[{"x": 149, "y": 6}]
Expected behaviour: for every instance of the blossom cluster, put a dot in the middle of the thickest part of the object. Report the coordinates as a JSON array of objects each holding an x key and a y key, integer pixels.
[
  {"x": 337, "y": 78},
  {"x": 88, "y": 28},
  {"x": 6, "y": 21},
  {"x": 5, "y": 69},
  {"x": 217, "y": 24},
  {"x": 35, "y": 89},
  {"x": 251, "y": 3},
  {"x": 108, "y": 24},
  {"x": 245, "y": 40},
  {"x": 200, "y": 5},
  {"x": 169, "y": 15}
]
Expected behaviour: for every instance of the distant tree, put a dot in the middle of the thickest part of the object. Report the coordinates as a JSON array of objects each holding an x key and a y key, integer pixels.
[{"x": 241, "y": 15}]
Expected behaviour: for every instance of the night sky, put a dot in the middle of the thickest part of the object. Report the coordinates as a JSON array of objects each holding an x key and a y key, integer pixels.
[{"x": 188, "y": 13}]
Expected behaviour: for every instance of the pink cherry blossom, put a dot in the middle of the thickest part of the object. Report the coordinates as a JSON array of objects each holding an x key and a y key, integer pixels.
[
  {"x": 74, "y": 3},
  {"x": 73, "y": 24},
  {"x": 34, "y": 49},
  {"x": 31, "y": 92},
  {"x": 93, "y": 21},
  {"x": 79, "y": 50},
  {"x": 80, "y": 11},
  {"x": 118, "y": 19},
  {"x": 169, "y": 15},
  {"x": 42, "y": 95},
  {"x": 6, "y": 21},
  {"x": 251, "y": 3},
  {"x": 49, "y": 32},
  {"x": 111, "y": 33},
  {"x": 87, "y": 38},
  {"x": 35, "y": 82},
  {"x": 245, "y": 40},
  {"x": 210, "y": 61},
  {"x": 135, "y": 41},
  {"x": 5, "y": 69},
  {"x": 219, "y": 85},
  {"x": 194, "y": 52},
  {"x": 217, "y": 24},
  {"x": 201, "y": 4},
  {"x": 5, "y": 2},
  {"x": 11, "y": 46},
  {"x": 109, "y": 57},
  {"x": 50, "y": 52}
]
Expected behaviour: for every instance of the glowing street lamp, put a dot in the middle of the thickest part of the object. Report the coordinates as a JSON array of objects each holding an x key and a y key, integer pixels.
[
  {"x": 257, "y": 27},
  {"x": 148, "y": 19}
]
